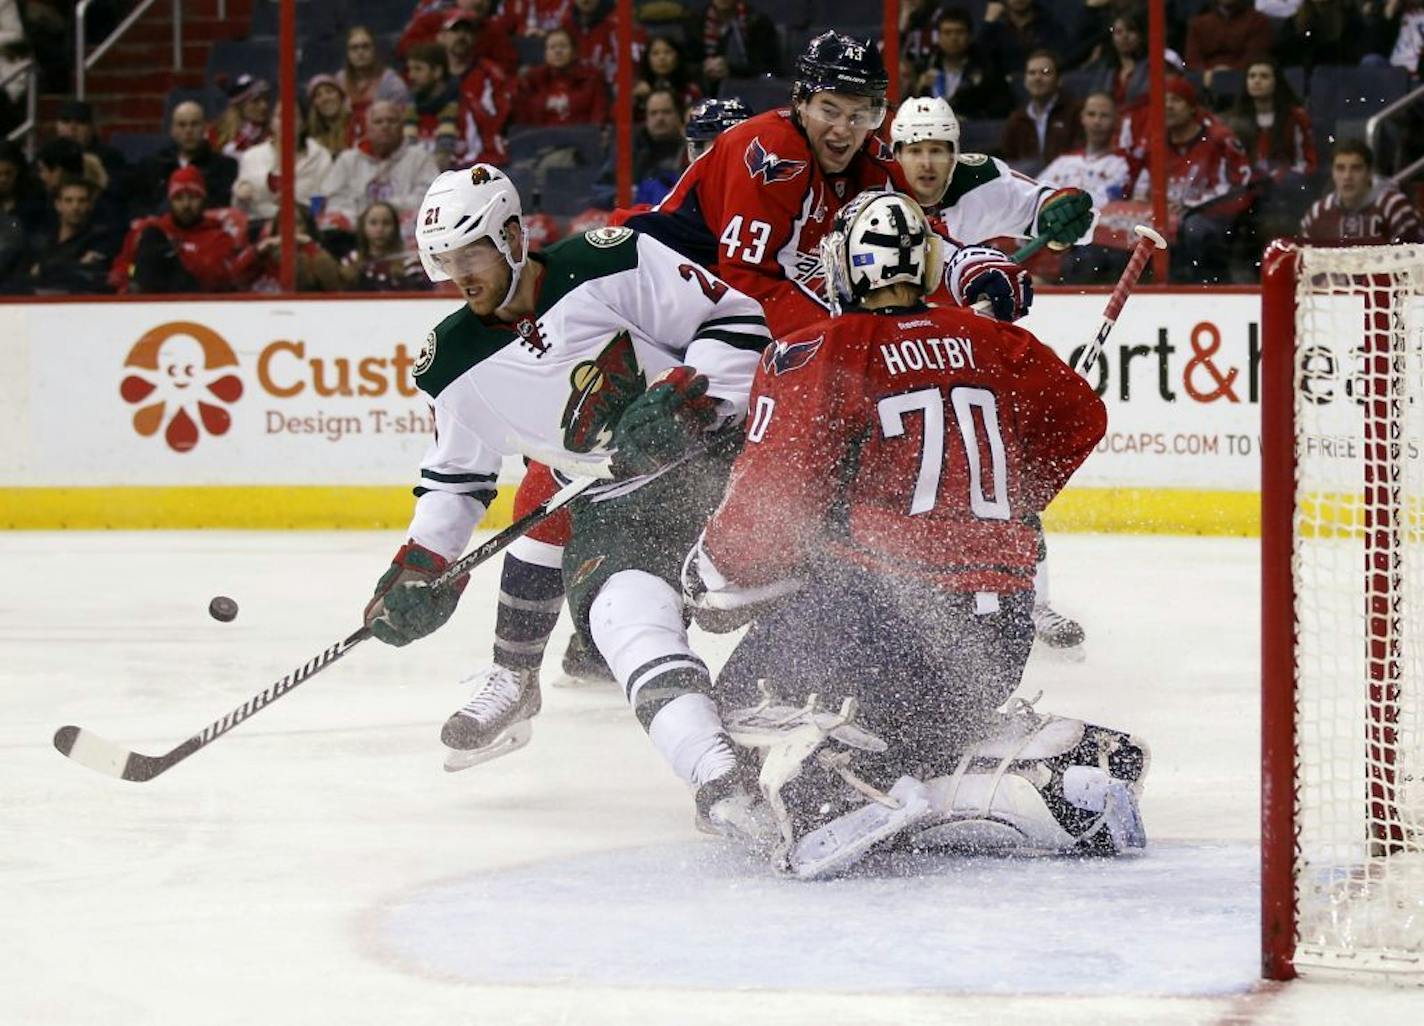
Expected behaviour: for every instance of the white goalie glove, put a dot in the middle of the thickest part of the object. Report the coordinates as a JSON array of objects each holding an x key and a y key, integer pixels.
[{"x": 719, "y": 605}]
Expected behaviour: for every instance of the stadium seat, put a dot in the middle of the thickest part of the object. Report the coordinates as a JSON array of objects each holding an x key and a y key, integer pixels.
[
  {"x": 231, "y": 58},
  {"x": 980, "y": 136},
  {"x": 138, "y": 146},
  {"x": 760, "y": 94},
  {"x": 529, "y": 142},
  {"x": 531, "y": 50},
  {"x": 566, "y": 189}
]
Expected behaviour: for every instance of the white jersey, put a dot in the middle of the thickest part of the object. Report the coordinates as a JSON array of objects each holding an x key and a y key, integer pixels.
[
  {"x": 986, "y": 199},
  {"x": 1102, "y": 175},
  {"x": 614, "y": 309}
]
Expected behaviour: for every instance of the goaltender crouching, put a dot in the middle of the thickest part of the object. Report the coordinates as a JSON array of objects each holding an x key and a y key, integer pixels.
[{"x": 878, "y": 527}]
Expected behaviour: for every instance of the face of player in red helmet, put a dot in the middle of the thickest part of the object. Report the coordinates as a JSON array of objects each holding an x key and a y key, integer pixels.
[{"x": 836, "y": 125}]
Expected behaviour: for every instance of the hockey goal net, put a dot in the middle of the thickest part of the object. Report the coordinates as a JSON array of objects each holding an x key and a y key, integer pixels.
[{"x": 1343, "y": 610}]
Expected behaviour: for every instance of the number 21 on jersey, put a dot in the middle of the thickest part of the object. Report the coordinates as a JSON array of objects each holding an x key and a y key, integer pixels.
[{"x": 988, "y": 486}]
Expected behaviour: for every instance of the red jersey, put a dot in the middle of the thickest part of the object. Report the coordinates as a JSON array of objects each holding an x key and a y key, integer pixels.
[
  {"x": 755, "y": 207},
  {"x": 574, "y": 95},
  {"x": 910, "y": 443},
  {"x": 214, "y": 251},
  {"x": 486, "y": 100},
  {"x": 1208, "y": 166}
]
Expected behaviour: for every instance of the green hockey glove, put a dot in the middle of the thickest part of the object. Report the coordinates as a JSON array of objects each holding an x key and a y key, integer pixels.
[{"x": 1065, "y": 216}]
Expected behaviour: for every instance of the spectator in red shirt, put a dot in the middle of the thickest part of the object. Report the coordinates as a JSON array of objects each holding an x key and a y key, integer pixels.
[
  {"x": 1228, "y": 34},
  {"x": 489, "y": 37},
  {"x": 561, "y": 91},
  {"x": 187, "y": 249},
  {"x": 486, "y": 99},
  {"x": 1359, "y": 208},
  {"x": 1207, "y": 178},
  {"x": 534, "y": 17},
  {"x": 1047, "y": 124},
  {"x": 366, "y": 79},
  {"x": 593, "y": 26}
]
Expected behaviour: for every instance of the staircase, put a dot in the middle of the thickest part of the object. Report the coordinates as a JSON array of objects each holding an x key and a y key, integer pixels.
[{"x": 129, "y": 86}]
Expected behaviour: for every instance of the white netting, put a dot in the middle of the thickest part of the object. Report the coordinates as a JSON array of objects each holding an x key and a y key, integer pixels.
[{"x": 1358, "y": 564}]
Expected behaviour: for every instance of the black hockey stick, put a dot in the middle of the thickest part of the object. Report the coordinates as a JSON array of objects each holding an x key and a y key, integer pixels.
[{"x": 104, "y": 756}]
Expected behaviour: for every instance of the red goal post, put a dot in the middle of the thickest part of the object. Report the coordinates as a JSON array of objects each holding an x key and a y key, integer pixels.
[{"x": 1342, "y": 604}]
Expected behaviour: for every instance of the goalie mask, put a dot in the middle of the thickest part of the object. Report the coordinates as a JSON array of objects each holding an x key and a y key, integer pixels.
[
  {"x": 879, "y": 239},
  {"x": 461, "y": 208}
]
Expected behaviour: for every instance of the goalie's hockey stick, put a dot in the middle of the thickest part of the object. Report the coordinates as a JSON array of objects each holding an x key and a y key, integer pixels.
[
  {"x": 104, "y": 756},
  {"x": 1148, "y": 240}
]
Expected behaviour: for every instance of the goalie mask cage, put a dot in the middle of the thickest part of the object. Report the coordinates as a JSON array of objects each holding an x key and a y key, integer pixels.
[{"x": 1342, "y": 561}]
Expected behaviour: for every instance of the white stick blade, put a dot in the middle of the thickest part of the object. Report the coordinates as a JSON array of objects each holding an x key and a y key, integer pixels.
[{"x": 91, "y": 750}]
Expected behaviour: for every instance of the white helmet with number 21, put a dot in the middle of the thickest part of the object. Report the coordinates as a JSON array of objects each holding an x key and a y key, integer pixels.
[{"x": 461, "y": 208}]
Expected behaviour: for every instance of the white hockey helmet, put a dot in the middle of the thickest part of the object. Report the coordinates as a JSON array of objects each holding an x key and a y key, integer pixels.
[
  {"x": 925, "y": 119},
  {"x": 462, "y": 207},
  {"x": 879, "y": 239}
]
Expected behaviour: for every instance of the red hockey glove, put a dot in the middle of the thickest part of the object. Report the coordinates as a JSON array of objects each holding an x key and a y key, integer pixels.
[
  {"x": 405, "y": 607},
  {"x": 982, "y": 272},
  {"x": 662, "y": 423}
]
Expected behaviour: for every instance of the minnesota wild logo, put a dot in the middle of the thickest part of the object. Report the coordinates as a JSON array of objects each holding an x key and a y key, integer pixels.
[{"x": 601, "y": 389}]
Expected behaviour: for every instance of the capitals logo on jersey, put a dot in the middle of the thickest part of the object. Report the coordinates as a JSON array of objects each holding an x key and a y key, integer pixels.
[
  {"x": 768, "y": 166},
  {"x": 602, "y": 388},
  {"x": 785, "y": 357}
]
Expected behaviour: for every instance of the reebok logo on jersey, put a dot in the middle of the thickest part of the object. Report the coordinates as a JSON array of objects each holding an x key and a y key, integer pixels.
[
  {"x": 768, "y": 166},
  {"x": 785, "y": 357}
]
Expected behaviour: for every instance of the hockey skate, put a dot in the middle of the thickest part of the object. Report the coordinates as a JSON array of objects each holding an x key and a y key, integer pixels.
[
  {"x": 495, "y": 721},
  {"x": 1058, "y": 633},
  {"x": 583, "y": 664},
  {"x": 731, "y": 806}
]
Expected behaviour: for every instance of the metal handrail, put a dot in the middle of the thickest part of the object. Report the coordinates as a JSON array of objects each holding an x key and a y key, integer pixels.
[
  {"x": 1372, "y": 125},
  {"x": 27, "y": 127},
  {"x": 83, "y": 63}
]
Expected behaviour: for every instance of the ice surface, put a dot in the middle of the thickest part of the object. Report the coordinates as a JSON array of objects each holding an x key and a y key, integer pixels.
[{"x": 317, "y": 866}]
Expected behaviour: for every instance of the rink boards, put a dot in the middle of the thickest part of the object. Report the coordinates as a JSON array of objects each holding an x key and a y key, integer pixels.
[{"x": 264, "y": 413}]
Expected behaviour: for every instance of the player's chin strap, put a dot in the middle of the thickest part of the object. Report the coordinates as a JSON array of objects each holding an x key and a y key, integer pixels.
[{"x": 1039, "y": 784}]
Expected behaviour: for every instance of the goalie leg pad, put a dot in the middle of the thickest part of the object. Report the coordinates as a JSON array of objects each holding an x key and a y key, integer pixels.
[
  {"x": 1043, "y": 784},
  {"x": 836, "y": 846}
]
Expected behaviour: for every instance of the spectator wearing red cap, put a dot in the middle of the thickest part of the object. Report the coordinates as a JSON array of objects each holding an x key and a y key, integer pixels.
[
  {"x": 1207, "y": 176},
  {"x": 468, "y": 32},
  {"x": 563, "y": 90},
  {"x": 366, "y": 79},
  {"x": 1228, "y": 34},
  {"x": 244, "y": 123},
  {"x": 187, "y": 249},
  {"x": 381, "y": 166},
  {"x": 328, "y": 114}
]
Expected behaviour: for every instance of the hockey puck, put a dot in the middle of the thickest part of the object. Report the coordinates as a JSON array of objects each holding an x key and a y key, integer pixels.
[{"x": 222, "y": 608}]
